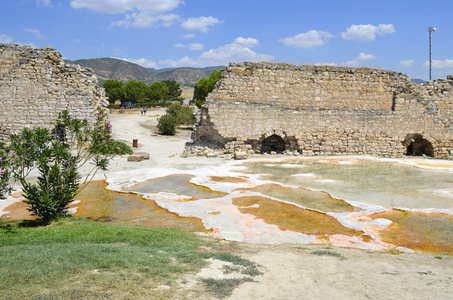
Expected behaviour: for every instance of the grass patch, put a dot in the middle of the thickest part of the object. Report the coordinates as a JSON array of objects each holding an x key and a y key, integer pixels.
[
  {"x": 246, "y": 266},
  {"x": 223, "y": 288},
  {"x": 77, "y": 258},
  {"x": 327, "y": 253}
]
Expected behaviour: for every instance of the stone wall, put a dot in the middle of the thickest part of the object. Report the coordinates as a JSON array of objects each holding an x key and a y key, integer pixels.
[
  {"x": 36, "y": 84},
  {"x": 320, "y": 110}
]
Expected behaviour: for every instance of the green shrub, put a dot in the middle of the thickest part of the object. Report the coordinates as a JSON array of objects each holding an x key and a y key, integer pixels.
[
  {"x": 182, "y": 114},
  {"x": 167, "y": 124},
  {"x": 122, "y": 147},
  {"x": 57, "y": 156}
]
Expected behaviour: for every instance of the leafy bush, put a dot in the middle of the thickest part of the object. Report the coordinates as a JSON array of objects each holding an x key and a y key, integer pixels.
[
  {"x": 167, "y": 124},
  {"x": 123, "y": 147},
  {"x": 182, "y": 114},
  {"x": 5, "y": 174},
  {"x": 175, "y": 115},
  {"x": 57, "y": 157}
]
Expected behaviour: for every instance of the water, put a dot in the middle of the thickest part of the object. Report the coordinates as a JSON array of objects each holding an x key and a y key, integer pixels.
[
  {"x": 385, "y": 183},
  {"x": 340, "y": 201},
  {"x": 99, "y": 204},
  {"x": 177, "y": 184}
]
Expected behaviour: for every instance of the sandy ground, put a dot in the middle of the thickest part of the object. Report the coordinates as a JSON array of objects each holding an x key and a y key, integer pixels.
[{"x": 291, "y": 271}]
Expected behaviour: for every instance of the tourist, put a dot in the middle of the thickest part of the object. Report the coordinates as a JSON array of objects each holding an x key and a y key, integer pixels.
[
  {"x": 144, "y": 111},
  {"x": 141, "y": 111}
]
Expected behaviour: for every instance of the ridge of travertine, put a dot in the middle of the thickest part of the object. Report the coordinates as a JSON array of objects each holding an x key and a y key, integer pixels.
[
  {"x": 36, "y": 84},
  {"x": 326, "y": 110}
]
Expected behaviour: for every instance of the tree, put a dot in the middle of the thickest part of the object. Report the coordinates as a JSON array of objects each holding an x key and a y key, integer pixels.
[
  {"x": 114, "y": 90},
  {"x": 58, "y": 159},
  {"x": 174, "y": 90},
  {"x": 204, "y": 86},
  {"x": 157, "y": 91},
  {"x": 135, "y": 90}
]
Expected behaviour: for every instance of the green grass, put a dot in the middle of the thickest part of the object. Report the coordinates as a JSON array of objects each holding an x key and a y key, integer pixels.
[
  {"x": 328, "y": 253},
  {"x": 76, "y": 258},
  {"x": 223, "y": 288}
]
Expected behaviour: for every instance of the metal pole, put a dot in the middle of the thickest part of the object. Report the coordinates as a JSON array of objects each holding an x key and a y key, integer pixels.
[
  {"x": 430, "y": 52},
  {"x": 430, "y": 29}
]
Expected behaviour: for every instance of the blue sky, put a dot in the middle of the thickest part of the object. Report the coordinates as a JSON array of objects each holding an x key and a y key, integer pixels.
[{"x": 392, "y": 35}]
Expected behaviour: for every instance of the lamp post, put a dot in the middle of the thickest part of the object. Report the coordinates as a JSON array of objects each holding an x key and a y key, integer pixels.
[{"x": 431, "y": 30}]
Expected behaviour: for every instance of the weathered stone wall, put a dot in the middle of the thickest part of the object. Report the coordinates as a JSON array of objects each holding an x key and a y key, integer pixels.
[
  {"x": 319, "y": 110},
  {"x": 36, "y": 84}
]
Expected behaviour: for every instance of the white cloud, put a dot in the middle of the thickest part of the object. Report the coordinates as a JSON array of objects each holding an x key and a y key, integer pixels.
[
  {"x": 146, "y": 63},
  {"x": 407, "y": 63},
  {"x": 366, "y": 33},
  {"x": 36, "y": 32},
  {"x": 123, "y": 6},
  {"x": 145, "y": 20},
  {"x": 44, "y": 2},
  {"x": 440, "y": 64},
  {"x": 5, "y": 39},
  {"x": 183, "y": 62},
  {"x": 189, "y": 36},
  {"x": 326, "y": 64},
  {"x": 193, "y": 46},
  {"x": 201, "y": 23},
  {"x": 246, "y": 42},
  {"x": 237, "y": 51},
  {"x": 309, "y": 39},
  {"x": 358, "y": 60}
]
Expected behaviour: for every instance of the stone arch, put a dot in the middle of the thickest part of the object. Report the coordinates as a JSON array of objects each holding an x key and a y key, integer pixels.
[
  {"x": 58, "y": 133},
  {"x": 273, "y": 143},
  {"x": 416, "y": 145}
]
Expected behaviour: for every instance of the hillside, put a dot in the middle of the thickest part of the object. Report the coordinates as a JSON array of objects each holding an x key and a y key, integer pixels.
[
  {"x": 112, "y": 68},
  {"x": 184, "y": 76}
]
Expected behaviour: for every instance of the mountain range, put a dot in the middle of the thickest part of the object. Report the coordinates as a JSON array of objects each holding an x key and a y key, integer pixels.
[{"x": 112, "y": 68}]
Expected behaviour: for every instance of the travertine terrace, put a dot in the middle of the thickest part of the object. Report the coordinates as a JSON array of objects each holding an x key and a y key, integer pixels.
[{"x": 324, "y": 110}]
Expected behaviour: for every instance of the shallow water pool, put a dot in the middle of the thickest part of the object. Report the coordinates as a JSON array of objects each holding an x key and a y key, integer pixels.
[{"x": 385, "y": 183}]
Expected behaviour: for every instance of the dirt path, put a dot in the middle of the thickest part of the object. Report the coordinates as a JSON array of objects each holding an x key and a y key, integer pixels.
[{"x": 318, "y": 272}]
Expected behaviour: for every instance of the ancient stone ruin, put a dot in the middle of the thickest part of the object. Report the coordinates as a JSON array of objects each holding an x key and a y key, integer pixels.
[
  {"x": 323, "y": 110},
  {"x": 36, "y": 84}
]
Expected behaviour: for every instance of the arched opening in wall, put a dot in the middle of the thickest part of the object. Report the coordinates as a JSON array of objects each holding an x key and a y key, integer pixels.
[
  {"x": 273, "y": 143},
  {"x": 416, "y": 145},
  {"x": 58, "y": 133}
]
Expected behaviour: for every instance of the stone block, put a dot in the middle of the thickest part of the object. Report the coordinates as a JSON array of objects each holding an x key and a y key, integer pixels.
[
  {"x": 144, "y": 154},
  {"x": 239, "y": 155},
  {"x": 134, "y": 157}
]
